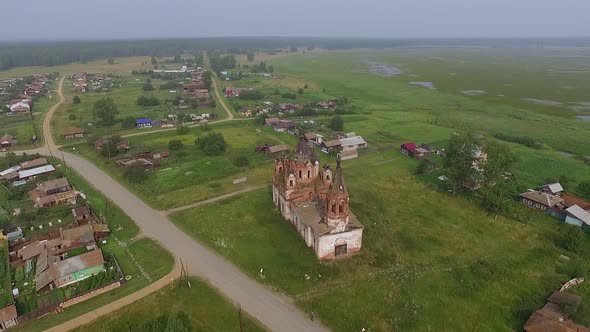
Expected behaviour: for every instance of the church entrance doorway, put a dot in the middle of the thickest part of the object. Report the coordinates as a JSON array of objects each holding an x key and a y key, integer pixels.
[{"x": 340, "y": 250}]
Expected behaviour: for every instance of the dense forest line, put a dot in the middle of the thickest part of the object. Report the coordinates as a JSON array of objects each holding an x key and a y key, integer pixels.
[{"x": 59, "y": 53}]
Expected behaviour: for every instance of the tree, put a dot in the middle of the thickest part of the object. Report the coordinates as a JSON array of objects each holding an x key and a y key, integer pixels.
[
  {"x": 109, "y": 148},
  {"x": 499, "y": 163},
  {"x": 148, "y": 87},
  {"x": 128, "y": 122},
  {"x": 212, "y": 144},
  {"x": 241, "y": 161},
  {"x": 182, "y": 130},
  {"x": 175, "y": 145},
  {"x": 106, "y": 111},
  {"x": 250, "y": 56},
  {"x": 459, "y": 159},
  {"x": 337, "y": 123},
  {"x": 76, "y": 100},
  {"x": 300, "y": 91},
  {"x": 154, "y": 61},
  {"x": 569, "y": 237},
  {"x": 111, "y": 61},
  {"x": 271, "y": 69},
  {"x": 135, "y": 173},
  {"x": 260, "y": 119},
  {"x": 584, "y": 188},
  {"x": 177, "y": 58},
  {"x": 148, "y": 101},
  {"x": 499, "y": 198}
]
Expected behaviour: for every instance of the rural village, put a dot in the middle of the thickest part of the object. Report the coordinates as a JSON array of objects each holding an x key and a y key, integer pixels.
[{"x": 303, "y": 186}]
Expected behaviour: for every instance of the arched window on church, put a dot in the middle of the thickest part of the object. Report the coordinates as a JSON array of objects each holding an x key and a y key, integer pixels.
[
  {"x": 291, "y": 183},
  {"x": 341, "y": 207},
  {"x": 334, "y": 208},
  {"x": 280, "y": 169},
  {"x": 327, "y": 177},
  {"x": 308, "y": 174},
  {"x": 300, "y": 174}
]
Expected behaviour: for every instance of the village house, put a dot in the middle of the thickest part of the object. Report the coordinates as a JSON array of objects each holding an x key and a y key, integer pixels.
[
  {"x": 70, "y": 270},
  {"x": 311, "y": 138},
  {"x": 54, "y": 192},
  {"x": 33, "y": 163},
  {"x": 291, "y": 108},
  {"x": 552, "y": 318},
  {"x": 143, "y": 123},
  {"x": 326, "y": 104},
  {"x": 282, "y": 126},
  {"x": 315, "y": 201},
  {"x": 271, "y": 121},
  {"x": 7, "y": 141},
  {"x": 349, "y": 146},
  {"x": 231, "y": 92},
  {"x": 330, "y": 146},
  {"x": 72, "y": 132},
  {"x": 246, "y": 111},
  {"x": 82, "y": 215},
  {"x": 20, "y": 107},
  {"x": 545, "y": 202},
  {"x": 577, "y": 216},
  {"x": 410, "y": 149}
]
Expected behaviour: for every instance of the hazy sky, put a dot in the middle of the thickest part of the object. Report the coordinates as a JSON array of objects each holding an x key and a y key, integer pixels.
[{"x": 118, "y": 19}]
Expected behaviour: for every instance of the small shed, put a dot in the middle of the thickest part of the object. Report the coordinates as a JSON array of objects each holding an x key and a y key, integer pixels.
[{"x": 72, "y": 132}]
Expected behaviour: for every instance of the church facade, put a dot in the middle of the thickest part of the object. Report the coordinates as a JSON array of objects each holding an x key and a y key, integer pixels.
[{"x": 315, "y": 201}]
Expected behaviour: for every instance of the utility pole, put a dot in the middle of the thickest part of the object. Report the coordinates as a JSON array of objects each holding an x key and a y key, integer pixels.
[{"x": 240, "y": 318}]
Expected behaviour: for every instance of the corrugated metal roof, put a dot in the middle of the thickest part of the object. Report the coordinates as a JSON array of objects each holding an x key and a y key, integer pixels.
[
  {"x": 36, "y": 171},
  {"x": 579, "y": 213}
]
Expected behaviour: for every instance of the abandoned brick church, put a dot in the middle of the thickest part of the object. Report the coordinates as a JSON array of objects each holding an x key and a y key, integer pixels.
[{"x": 315, "y": 200}]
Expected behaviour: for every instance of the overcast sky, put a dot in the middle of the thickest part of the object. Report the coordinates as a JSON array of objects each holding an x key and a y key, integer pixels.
[{"x": 120, "y": 19}]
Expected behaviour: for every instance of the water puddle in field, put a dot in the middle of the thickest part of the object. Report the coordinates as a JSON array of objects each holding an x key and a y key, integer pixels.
[
  {"x": 581, "y": 106},
  {"x": 379, "y": 69},
  {"x": 584, "y": 117},
  {"x": 566, "y": 154},
  {"x": 474, "y": 92},
  {"x": 428, "y": 85},
  {"x": 544, "y": 102}
]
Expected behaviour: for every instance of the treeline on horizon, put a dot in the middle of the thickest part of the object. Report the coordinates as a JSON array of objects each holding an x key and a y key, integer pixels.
[{"x": 60, "y": 53}]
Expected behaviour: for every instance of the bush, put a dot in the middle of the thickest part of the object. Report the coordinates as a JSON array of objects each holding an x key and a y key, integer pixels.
[
  {"x": 148, "y": 101},
  {"x": 135, "y": 173},
  {"x": 76, "y": 100},
  {"x": 569, "y": 237},
  {"x": 337, "y": 123},
  {"x": 522, "y": 140},
  {"x": 241, "y": 161},
  {"x": 289, "y": 95},
  {"x": 72, "y": 117},
  {"x": 182, "y": 130},
  {"x": 212, "y": 144},
  {"x": 170, "y": 85},
  {"x": 251, "y": 95},
  {"x": 148, "y": 87},
  {"x": 128, "y": 122},
  {"x": 260, "y": 119},
  {"x": 175, "y": 145},
  {"x": 109, "y": 149},
  {"x": 300, "y": 91}
]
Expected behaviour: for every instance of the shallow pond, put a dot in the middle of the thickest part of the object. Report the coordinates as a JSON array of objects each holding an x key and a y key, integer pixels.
[{"x": 428, "y": 85}]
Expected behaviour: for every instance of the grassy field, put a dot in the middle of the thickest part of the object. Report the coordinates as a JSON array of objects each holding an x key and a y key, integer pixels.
[
  {"x": 153, "y": 259},
  {"x": 430, "y": 260},
  {"x": 120, "y": 67},
  {"x": 205, "y": 309},
  {"x": 189, "y": 175}
]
